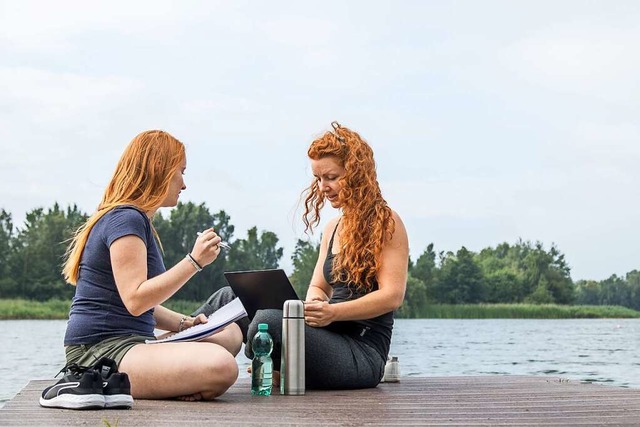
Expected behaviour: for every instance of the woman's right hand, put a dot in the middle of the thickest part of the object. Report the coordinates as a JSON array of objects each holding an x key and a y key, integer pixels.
[
  {"x": 206, "y": 248},
  {"x": 318, "y": 313}
]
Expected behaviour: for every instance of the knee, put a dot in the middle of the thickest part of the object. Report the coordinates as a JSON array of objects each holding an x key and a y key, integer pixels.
[
  {"x": 271, "y": 317},
  {"x": 230, "y": 369},
  {"x": 222, "y": 375},
  {"x": 236, "y": 339},
  {"x": 221, "y": 297},
  {"x": 227, "y": 293},
  {"x": 225, "y": 371}
]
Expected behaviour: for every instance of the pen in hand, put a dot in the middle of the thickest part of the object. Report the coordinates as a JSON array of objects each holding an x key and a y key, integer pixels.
[{"x": 224, "y": 245}]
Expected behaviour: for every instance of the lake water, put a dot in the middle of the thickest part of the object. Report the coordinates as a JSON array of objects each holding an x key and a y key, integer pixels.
[{"x": 592, "y": 350}]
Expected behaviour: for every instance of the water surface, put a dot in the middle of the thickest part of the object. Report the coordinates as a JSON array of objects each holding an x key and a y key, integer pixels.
[{"x": 593, "y": 350}]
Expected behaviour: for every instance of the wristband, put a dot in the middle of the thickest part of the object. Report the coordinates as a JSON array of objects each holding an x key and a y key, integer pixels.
[{"x": 194, "y": 263}]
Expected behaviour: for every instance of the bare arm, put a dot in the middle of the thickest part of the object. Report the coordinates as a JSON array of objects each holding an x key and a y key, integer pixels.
[
  {"x": 170, "y": 320},
  {"x": 129, "y": 263},
  {"x": 319, "y": 289},
  {"x": 392, "y": 281}
]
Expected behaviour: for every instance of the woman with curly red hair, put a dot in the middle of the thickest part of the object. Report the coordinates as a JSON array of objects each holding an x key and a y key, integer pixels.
[{"x": 360, "y": 275}]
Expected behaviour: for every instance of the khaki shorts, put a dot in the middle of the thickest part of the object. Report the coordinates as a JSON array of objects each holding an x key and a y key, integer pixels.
[{"x": 113, "y": 348}]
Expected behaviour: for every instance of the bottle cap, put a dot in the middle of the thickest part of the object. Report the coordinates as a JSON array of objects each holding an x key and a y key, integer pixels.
[{"x": 263, "y": 327}]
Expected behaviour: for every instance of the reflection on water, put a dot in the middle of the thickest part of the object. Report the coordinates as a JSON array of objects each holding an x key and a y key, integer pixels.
[{"x": 593, "y": 350}]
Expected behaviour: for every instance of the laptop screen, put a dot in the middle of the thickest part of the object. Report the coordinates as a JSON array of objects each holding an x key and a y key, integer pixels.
[{"x": 261, "y": 289}]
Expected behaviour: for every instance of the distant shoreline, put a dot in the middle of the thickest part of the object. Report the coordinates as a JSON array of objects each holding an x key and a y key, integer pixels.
[
  {"x": 526, "y": 311},
  {"x": 22, "y": 309}
]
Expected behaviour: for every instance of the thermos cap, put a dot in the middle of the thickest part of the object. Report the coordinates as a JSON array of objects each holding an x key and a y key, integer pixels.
[{"x": 293, "y": 308}]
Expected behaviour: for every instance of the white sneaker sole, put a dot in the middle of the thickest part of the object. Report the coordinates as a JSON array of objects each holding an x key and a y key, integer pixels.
[
  {"x": 115, "y": 401},
  {"x": 74, "y": 401}
]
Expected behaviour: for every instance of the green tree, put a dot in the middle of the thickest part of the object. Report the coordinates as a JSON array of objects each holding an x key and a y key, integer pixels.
[
  {"x": 6, "y": 234},
  {"x": 503, "y": 286},
  {"x": 541, "y": 294},
  {"x": 549, "y": 270},
  {"x": 633, "y": 283},
  {"x": 587, "y": 292},
  {"x": 255, "y": 252},
  {"x": 614, "y": 291},
  {"x": 8, "y": 283},
  {"x": 461, "y": 280},
  {"x": 40, "y": 248},
  {"x": 178, "y": 234},
  {"x": 425, "y": 269},
  {"x": 515, "y": 273},
  {"x": 304, "y": 260},
  {"x": 415, "y": 299},
  {"x": 503, "y": 274}
]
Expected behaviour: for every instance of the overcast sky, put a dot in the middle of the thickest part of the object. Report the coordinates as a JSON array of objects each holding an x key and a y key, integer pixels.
[{"x": 490, "y": 120}]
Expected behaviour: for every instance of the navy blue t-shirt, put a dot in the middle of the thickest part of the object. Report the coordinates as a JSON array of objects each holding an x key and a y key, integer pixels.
[{"x": 97, "y": 311}]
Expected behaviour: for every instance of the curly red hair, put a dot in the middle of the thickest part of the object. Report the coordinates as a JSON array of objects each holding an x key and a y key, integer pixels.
[{"x": 367, "y": 220}]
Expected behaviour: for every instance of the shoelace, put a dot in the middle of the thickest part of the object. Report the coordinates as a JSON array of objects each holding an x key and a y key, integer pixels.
[{"x": 74, "y": 368}]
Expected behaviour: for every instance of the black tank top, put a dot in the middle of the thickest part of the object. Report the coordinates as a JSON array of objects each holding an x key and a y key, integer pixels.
[{"x": 376, "y": 331}]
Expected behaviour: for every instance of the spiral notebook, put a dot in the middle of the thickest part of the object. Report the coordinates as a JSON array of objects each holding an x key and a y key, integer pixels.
[
  {"x": 260, "y": 289},
  {"x": 216, "y": 322}
]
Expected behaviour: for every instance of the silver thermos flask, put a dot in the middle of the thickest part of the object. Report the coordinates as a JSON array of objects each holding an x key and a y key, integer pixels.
[{"x": 292, "y": 379}]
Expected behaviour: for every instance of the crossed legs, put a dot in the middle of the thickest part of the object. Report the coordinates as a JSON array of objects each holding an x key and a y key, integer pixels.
[{"x": 187, "y": 370}]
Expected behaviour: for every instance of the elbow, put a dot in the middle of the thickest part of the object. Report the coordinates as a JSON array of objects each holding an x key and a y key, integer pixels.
[
  {"x": 390, "y": 303},
  {"x": 396, "y": 300},
  {"x": 391, "y": 299},
  {"x": 134, "y": 308},
  {"x": 136, "y": 312},
  {"x": 396, "y": 303}
]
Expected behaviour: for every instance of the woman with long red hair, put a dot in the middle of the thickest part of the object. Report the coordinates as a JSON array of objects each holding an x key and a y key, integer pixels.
[
  {"x": 361, "y": 273},
  {"x": 115, "y": 262},
  {"x": 360, "y": 276}
]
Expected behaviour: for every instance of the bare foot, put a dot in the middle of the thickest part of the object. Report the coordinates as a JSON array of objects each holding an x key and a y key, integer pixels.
[
  {"x": 275, "y": 377},
  {"x": 191, "y": 398}
]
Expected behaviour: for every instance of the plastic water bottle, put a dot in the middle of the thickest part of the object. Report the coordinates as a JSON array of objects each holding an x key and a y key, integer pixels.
[{"x": 261, "y": 365}]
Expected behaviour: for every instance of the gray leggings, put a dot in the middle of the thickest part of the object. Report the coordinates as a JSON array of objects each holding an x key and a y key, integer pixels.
[{"x": 333, "y": 360}]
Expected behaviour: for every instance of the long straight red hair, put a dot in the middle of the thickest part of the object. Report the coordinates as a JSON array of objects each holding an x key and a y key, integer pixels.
[{"x": 141, "y": 179}]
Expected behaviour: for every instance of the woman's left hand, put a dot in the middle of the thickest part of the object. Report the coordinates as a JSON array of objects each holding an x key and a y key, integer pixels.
[
  {"x": 192, "y": 321},
  {"x": 318, "y": 313}
]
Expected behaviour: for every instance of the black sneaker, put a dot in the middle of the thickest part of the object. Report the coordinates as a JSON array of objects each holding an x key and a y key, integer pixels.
[
  {"x": 116, "y": 387},
  {"x": 79, "y": 388}
]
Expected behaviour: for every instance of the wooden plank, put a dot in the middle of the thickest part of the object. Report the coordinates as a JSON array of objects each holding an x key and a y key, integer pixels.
[{"x": 481, "y": 400}]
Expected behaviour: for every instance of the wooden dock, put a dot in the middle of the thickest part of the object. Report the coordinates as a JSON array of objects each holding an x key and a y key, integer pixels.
[{"x": 424, "y": 401}]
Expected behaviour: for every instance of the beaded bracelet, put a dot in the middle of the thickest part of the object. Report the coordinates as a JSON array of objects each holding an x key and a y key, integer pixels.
[{"x": 194, "y": 262}]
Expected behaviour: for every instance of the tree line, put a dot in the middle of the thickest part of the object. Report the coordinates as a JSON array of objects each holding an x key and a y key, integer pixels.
[{"x": 31, "y": 257}]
